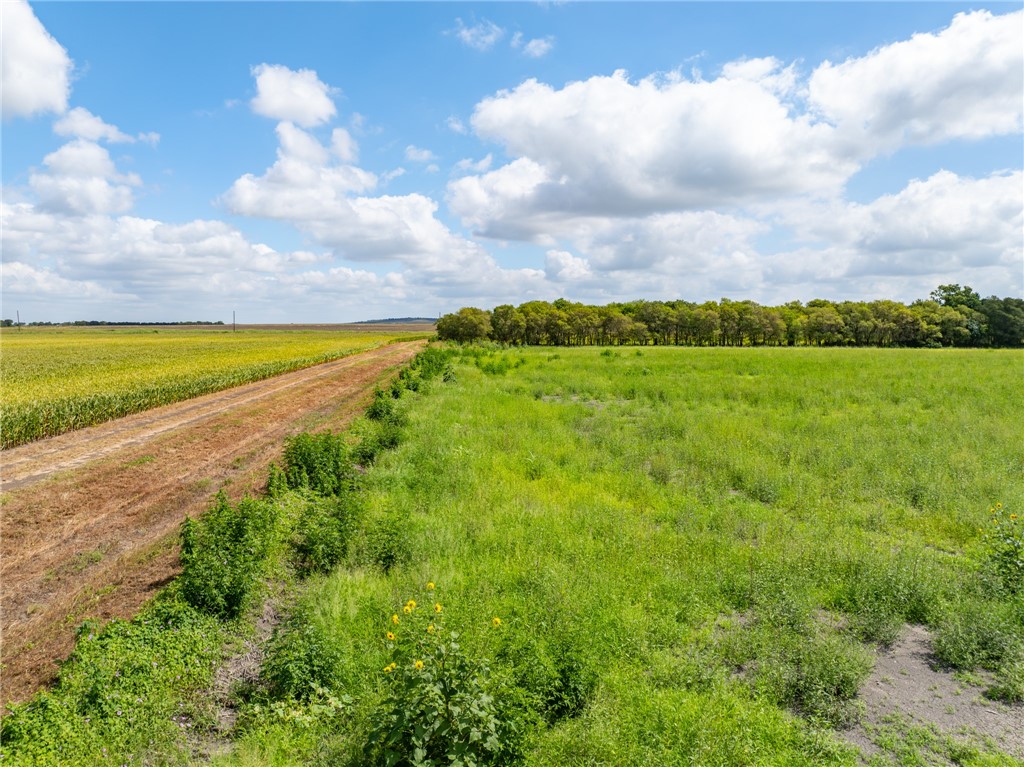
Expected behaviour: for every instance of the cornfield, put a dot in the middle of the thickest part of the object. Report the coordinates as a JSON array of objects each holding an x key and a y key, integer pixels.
[{"x": 57, "y": 380}]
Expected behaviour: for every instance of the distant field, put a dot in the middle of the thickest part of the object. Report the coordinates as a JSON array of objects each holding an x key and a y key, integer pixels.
[{"x": 58, "y": 379}]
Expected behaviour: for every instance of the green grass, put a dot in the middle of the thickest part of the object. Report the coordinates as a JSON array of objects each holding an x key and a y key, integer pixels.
[
  {"x": 691, "y": 553},
  {"x": 57, "y": 380},
  {"x": 690, "y": 550}
]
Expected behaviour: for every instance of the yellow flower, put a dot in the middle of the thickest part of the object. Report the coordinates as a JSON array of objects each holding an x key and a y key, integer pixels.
[
  {"x": 394, "y": 619},
  {"x": 1013, "y": 516},
  {"x": 431, "y": 629},
  {"x": 411, "y": 604},
  {"x": 430, "y": 586},
  {"x": 418, "y": 664},
  {"x": 999, "y": 505},
  {"x": 390, "y": 667},
  {"x": 437, "y": 607},
  {"x": 407, "y": 609},
  {"x": 495, "y": 621},
  {"x": 390, "y": 636}
]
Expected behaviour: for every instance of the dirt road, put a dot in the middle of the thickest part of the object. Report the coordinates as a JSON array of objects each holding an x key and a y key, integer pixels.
[{"x": 89, "y": 519}]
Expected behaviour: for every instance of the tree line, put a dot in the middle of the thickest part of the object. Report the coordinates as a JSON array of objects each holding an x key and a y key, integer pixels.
[{"x": 953, "y": 315}]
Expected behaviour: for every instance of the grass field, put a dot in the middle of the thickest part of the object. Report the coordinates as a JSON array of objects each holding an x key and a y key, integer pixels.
[
  {"x": 664, "y": 556},
  {"x": 57, "y": 380}
]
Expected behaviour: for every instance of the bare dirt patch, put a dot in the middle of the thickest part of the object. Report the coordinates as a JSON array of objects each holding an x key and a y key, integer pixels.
[
  {"x": 907, "y": 690},
  {"x": 90, "y": 518}
]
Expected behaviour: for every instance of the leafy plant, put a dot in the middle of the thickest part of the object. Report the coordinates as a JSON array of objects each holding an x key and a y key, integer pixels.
[
  {"x": 323, "y": 531},
  {"x": 223, "y": 553},
  {"x": 439, "y": 707},
  {"x": 1004, "y": 541},
  {"x": 319, "y": 462}
]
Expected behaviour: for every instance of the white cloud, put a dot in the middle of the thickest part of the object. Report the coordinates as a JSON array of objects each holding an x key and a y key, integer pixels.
[
  {"x": 82, "y": 123},
  {"x": 25, "y": 280},
  {"x": 35, "y": 68},
  {"x": 81, "y": 179},
  {"x": 481, "y": 36},
  {"x": 767, "y": 72},
  {"x": 609, "y": 146},
  {"x": 539, "y": 47},
  {"x": 415, "y": 154},
  {"x": 343, "y": 146},
  {"x": 284, "y": 94},
  {"x": 475, "y": 166},
  {"x": 563, "y": 266},
  {"x": 456, "y": 125},
  {"x": 965, "y": 81}
]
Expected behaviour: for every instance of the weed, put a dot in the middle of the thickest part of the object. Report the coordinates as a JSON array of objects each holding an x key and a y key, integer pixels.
[
  {"x": 1004, "y": 544},
  {"x": 319, "y": 462},
  {"x": 223, "y": 554}
]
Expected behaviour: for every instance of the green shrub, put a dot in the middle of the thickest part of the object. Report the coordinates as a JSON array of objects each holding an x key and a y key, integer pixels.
[
  {"x": 301, "y": 659},
  {"x": 979, "y": 635},
  {"x": 817, "y": 674},
  {"x": 382, "y": 406},
  {"x": 223, "y": 554},
  {"x": 323, "y": 531},
  {"x": 1009, "y": 684},
  {"x": 277, "y": 482},
  {"x": 440, "y": 705},
  {"x": 319, "y": 462}
]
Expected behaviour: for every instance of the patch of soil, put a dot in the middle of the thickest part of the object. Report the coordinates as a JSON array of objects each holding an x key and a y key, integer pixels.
[
  {"x": 90, "y": 518},
  {"x": 907, "y": 682}
]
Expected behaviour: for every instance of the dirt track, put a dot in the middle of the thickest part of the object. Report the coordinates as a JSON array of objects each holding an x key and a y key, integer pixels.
[{"x": 89, "y": 518}]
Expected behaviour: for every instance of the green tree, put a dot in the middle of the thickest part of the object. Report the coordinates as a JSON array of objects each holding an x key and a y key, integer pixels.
[
  {"x": 956, "y": 295},
  {"x": 466, "y": 325}
]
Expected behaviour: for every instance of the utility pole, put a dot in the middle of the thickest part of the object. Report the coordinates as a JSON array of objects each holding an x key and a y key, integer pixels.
[{"x": 18, "y": 312}]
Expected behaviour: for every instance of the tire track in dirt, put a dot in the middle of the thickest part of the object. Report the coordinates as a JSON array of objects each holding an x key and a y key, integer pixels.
[{"x": 90, "y": 518}]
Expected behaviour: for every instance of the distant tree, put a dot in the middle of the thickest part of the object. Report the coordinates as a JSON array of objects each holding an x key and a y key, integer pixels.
[
  {"x": 507, "y": 325},
  {"x": 1005, "y": 320},
  {"x": 7, "y": 323},
  {"x": 956, "y": 295},
  {"x": 466, "y": 325}
]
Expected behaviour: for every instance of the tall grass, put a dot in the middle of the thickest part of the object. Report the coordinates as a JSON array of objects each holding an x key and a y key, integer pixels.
[{"x": 691, "y": 551}]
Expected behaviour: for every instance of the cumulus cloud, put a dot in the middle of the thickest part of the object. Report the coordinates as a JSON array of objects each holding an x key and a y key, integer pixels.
[
  {"x": 35, "y": 68},
  {"x": 481, "y": 36},
  {"x": 82, "y": 123},
  {"x": 81, "y": 179},
  {"x": 284, "y": 94},
  {"x": 611, "y": 146},
  {"x": 965, "y": 81},
  {"x": 25, "y": 280},
  {"x": 563, "y": 266}
]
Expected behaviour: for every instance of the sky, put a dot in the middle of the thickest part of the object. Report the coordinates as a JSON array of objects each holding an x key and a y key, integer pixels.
[{"x": 334, "y": 162}]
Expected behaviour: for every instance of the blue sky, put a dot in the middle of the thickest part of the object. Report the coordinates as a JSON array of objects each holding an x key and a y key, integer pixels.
[{"x": 325, "y": 162}]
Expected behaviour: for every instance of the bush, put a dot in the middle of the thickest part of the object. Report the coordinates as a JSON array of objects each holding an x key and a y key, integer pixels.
[
  {"x": 817, "y": 674},
  {"x": 301, "y": 660},
  {"x": 979, "y": 634},
  {"x": 319, "y": 462},
  {"x": 323, "y": 531},
  {"x": 223, "y": 553}
]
